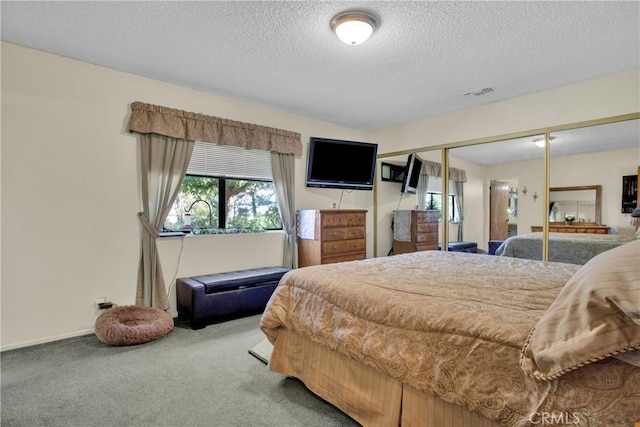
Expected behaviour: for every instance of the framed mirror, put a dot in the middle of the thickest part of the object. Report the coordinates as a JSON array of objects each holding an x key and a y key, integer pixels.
[{"x": 579, "y": 205}]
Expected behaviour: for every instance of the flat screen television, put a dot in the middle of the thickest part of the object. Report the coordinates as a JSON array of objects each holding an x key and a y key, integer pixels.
[
  {"x": 411, "y": 174},
  {"x": 334, "y": 163}
]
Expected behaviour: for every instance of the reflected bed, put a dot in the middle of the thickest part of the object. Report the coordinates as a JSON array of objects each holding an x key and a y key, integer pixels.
[
  {"x": 436, "y": 339},
  {"x": 572, "y": 248}
]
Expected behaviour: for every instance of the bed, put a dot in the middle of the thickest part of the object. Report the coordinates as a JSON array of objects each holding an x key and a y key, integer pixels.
[
  {"x": 457, "y": 339},
  {"x": 573, "y": 248}
]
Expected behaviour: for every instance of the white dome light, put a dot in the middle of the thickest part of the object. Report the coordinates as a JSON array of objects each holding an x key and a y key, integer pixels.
[{"x": 354, "y": 27}]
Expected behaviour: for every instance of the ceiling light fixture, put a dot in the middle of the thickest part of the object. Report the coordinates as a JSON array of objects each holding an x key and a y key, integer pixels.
[
  {"x": 540, "y": 141},
  {"x": 354, "y": 27}
]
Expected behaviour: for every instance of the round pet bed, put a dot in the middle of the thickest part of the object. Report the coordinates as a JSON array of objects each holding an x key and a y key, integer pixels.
[{"x": 132, "y": 324}]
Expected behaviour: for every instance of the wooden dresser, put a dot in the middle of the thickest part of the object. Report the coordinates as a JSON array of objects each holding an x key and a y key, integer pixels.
[
  {"x": 418, "y": 231},
  {"x": 328, "y": 236},
  {"x": 576, "y": 228}
]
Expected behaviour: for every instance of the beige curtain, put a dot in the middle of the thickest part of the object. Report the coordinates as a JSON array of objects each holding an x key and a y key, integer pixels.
[
  {"x": 148, "y": 118},
  {"x": 459, "y": 199},
  {"x": 429, "y": 168},
  {"x": 167, "y": 137},
  {"x": 283, "y": 180},
  {"x": 164, "y": 162},
  {"x": 458, "y": 176},
  {"x": 423, "y": 185}
]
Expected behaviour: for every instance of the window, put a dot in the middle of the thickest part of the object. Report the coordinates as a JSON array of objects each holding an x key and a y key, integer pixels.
[
  {"x": 433, "y": 199},
  {"x": 227, "y": 189}
]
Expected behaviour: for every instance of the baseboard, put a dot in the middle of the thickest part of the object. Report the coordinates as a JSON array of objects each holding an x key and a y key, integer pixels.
[
  {"x": 46, "y": 340},
  {"x": 80, "y": 333}
]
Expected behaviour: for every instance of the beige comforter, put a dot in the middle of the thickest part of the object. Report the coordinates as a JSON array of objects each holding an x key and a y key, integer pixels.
[{"x": 453, "y": 325}]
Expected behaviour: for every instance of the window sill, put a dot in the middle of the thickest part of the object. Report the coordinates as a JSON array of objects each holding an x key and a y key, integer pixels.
[{"x": 167, "y": 234}]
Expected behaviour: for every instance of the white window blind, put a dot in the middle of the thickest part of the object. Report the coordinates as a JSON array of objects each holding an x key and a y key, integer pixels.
[
  {"x": 229, "y": 162},
  {"x": 435, "y": 186}
]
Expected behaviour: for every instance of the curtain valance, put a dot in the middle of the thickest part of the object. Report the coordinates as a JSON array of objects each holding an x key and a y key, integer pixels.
[
  {"x": 435, "y": 169},
  {"x": 148, "y": 118},
  {"x": 431, "y": 168},
  {"x": 457, "y": 175}
]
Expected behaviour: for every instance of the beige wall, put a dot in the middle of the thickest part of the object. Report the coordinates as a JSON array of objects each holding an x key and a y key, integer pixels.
[
  {"x": 70, "y": 192},
  {"x": 605, "y": 169},
  {"x": 70, "y": 185}
]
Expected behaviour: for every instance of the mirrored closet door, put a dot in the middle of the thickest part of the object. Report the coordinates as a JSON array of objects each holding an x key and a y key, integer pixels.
[
  {"x": 590, "y": 169},
  {"x": 502, "y": 192},
  {"x": 402, "y": 225}
]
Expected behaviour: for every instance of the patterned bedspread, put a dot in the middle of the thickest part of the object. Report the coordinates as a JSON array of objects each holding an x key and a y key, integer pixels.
[
  {"x": 452, "y": 325},
  {"x": 572, "y": 248}
]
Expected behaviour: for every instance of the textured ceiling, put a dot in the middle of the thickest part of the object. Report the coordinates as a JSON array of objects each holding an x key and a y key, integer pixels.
[
  {"x": 419, "y": 63},
  {"x": 592, "y": 139}
]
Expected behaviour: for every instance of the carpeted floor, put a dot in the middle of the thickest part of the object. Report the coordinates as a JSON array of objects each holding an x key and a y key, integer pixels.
[{"x": 188, "y": 378}]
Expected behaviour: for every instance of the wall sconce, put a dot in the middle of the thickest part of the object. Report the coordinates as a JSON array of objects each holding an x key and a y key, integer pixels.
[
  {"x": 524, "y": 190},
  {"x": 535, "y": 196}
]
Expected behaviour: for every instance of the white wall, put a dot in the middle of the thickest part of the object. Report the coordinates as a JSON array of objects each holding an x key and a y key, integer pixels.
[
  {"x": 606, "y": 169},
  {"x": 70, "y": 185},
  {"x": 70, "y": 192}
]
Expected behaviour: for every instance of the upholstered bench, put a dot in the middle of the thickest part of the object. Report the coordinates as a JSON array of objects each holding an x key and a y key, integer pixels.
[
  {"x": 461, "y": 247},
  {"x": 493, "y": 246},
  {"x": 206, "y": 299}
]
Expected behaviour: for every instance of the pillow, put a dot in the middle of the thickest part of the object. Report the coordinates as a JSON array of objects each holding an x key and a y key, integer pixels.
[
  {"x": 595, "y": 316},
  {"x": 630, "y": 357}
]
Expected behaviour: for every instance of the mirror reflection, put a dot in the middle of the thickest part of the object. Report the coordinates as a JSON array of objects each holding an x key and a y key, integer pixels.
[
  {"x": 599, "y": 156},
  {"x": 580, "y": 205},
  {"x": 502, "y": 192},
  {"x": 408, "y": 209},
  {"x": 587, "y": 167},
  {"x": 498, "y": 201}
]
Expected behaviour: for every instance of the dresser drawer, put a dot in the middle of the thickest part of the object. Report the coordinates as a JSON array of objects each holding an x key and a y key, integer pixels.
[
  {"x": 426, "y": 216},
  {"x": 343, "y": 258},
  {"x": 427, "y": 247},
  {"x": 343, "y": 246},
  {"x": 342, "y": 233},
  {"x": 343, "y": 219},
  {"x": 426, "y": 238},
  {"x": 429, "y": 227}
]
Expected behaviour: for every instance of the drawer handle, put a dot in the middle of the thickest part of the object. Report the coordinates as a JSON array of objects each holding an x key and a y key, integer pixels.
[
  {"x": 335, "y": 247},
  {"x": 334, "y": 234}
]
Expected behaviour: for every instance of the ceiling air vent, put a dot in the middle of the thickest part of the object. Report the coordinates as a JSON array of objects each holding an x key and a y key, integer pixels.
[{"x": 479, "y": 92}]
